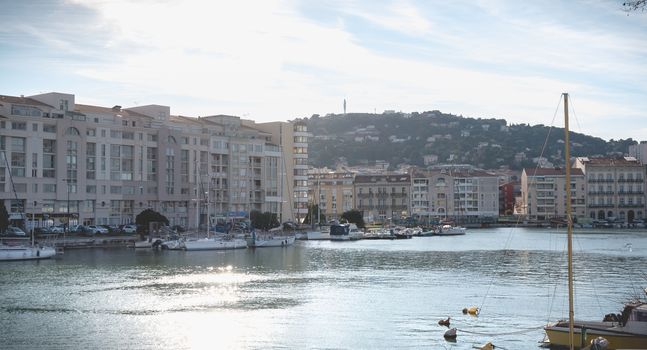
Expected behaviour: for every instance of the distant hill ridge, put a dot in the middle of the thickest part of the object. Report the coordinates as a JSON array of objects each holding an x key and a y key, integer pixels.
[{"x": 434, "y": 137}]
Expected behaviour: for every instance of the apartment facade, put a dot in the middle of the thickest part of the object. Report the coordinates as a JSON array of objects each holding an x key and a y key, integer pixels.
[
  {"x": 615, "y": 188},
  {"x": 332, "y": 191},
  {"x": 543, "y": 194},
  {"x": 88, "y": 164},
  {"x": 463, "y": 195},
  {"x": 382, "y": 197}
]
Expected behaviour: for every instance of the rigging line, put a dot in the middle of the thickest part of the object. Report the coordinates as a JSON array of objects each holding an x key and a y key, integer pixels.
[
  {"x": 595, "y": 292},
  {"x": 570, "y": 102},
  {"x": 552, "y": 302},
  {"x": 509, "y": 239},
  {"x": 556, "y": 283}
]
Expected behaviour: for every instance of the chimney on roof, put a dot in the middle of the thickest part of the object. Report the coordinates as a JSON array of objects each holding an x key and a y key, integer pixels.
[
  {"x": 22, "y": 96},
  {"x": 116, "y": 108}
]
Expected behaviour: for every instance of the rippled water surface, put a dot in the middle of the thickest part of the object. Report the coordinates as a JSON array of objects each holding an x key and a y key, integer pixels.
[{"x": 319, "y": 294}]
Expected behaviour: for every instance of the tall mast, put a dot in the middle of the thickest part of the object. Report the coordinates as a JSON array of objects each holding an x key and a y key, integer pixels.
[{"x": 569, "y": 221}]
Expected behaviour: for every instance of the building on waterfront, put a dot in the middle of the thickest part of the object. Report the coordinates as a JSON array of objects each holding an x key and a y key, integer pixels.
[
  {"x": 462, "y": 194},
  {"x": 639, "y": 151},
  {"x": 332, "y": 191},
  {"x": 382, "y": 197},
  {"x": 615, "y": 188},
  {"x": 63, "y": 161},
  {"x": 508, "y": 193},
  {"x": 543, "y": 194}
]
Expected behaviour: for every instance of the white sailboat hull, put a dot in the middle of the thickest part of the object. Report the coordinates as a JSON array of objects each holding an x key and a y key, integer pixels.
[
  {"x": 9, "y": 253},
  {"x": 215, "y": 244},
  {"x": 278, "y": 241}
]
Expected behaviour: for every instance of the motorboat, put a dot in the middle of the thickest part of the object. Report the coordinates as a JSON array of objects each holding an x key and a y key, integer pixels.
[
  {"x": 449, "y": 230},
  {"x": 627, "y": 330},
  {"x": 345, "y": 232}
]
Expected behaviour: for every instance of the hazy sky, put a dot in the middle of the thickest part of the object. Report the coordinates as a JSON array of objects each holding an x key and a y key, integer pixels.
[{"x": 278, "y": 60}]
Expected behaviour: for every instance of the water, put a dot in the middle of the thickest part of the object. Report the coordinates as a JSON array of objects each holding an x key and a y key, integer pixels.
[{"x": 318, "y": 295}]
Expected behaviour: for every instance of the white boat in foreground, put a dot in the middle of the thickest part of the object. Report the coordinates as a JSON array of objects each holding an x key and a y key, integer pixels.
[
  {"x": 215, "y": 243},
  {"x": 269, "y": 240},
  {"x": 25, "y": 252}
]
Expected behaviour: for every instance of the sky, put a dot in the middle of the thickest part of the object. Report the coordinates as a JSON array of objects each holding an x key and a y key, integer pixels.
[{"x": 280, "y": 60}]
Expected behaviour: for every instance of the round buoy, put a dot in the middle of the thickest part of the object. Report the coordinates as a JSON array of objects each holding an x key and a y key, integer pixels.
[{"x": 450, "y": 334}]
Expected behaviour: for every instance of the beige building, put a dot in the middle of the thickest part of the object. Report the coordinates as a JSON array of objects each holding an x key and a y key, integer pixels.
[
  {"x": 543, "y": 194},
  {"x": 96, "y": 165},
  {"x": 382, "y": 197},
  {"x": 615, "y": 188},
  {"x": 332, "y": 191}
]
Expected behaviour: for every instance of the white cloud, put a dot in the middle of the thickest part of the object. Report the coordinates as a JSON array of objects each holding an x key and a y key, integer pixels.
[{"x": 267, "y": 61}]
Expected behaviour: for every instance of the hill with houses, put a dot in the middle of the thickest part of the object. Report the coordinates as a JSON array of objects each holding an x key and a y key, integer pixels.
[{"x": 428, "y": 138}]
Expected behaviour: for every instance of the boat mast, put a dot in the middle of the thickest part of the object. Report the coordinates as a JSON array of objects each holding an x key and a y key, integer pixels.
[{"x": 569, "y": 221}]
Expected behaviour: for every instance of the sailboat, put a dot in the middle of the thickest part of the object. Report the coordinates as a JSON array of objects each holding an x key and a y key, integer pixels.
[
  {"x": 625, "y": 331},
  {"x": 16, "y": 249}
]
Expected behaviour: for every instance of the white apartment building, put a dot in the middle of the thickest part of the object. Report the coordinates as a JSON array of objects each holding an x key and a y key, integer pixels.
[
  {"x": 615, "y": 188},
  {"x": 460, "y": 194},
  {"x": 543, "y": 194},
  {"x": 62, "y": 161}
]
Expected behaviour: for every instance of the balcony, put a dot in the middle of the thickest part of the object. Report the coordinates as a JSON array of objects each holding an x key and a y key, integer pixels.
[
  {"x": 631, "y": 205},
  {"x": 600, "y": 180},
  {"x": 600, "y": 205}
]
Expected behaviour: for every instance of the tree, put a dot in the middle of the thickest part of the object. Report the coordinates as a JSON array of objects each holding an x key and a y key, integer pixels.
[
  {"x": 263, "y": 221},
  {"x": 4, "y": 217},
  {"x": 147, "y": 216},
  {"x": 312, "y": 213},
  {"x": 354, "y": 216}
]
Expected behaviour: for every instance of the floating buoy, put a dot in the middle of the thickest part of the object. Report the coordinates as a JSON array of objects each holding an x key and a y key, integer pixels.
[
  {"x": 472, "y": 310},
  {"x": 450, "y": 334},
  {"x": 487, "y": 346},
  {"x": 444, "y": 322}
]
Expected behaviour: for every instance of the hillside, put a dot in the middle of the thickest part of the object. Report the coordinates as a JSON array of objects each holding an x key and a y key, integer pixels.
[{"x": 436, "y": 138}]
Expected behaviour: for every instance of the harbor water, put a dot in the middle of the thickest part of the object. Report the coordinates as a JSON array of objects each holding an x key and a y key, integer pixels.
[{"x": 373, "y": 294}]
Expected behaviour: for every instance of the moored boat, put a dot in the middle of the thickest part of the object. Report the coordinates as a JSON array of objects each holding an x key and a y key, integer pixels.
[
  {"x": 269, "y": 240},
  {"x": 25, "y": 252},
  {"x": 449, "y": 230},
  {"x": 215, "y": 243},
  {"x": 627, "y": 330},
  {"x": 345, "y": 232}
]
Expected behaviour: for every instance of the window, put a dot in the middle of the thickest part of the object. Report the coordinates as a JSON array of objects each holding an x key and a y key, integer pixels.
[
  {"x": 34, "y": 127},
  {"x": 26, "y": 111},
  {"x": 18, "y": 126},
  {"x": 91, "y": 132},
  {"x": 49, "y": 188},
  {"x": 72, "y": 131},
  {"x": 49, "y": 128}
]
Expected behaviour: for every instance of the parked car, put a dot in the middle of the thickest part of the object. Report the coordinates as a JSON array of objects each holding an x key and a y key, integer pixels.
[
  {"x": 131, "y": 228},
  {"x": 42, "y": 230},
  {"x": 94, "y": 229},
  {"x": 56, "y": 229},
  {"x": 14, "y": 231},
  {"x": 179, "y": 228}
]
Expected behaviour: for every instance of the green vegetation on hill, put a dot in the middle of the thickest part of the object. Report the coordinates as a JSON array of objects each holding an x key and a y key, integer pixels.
[{"x": 360, "y": 138}]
